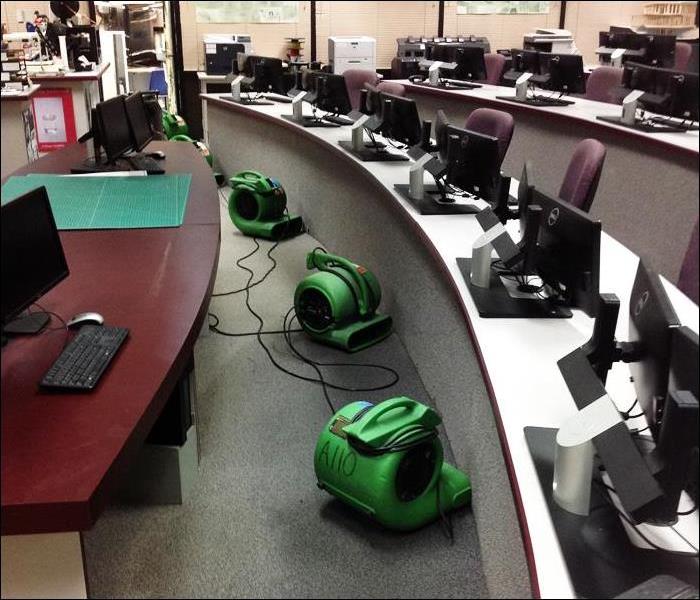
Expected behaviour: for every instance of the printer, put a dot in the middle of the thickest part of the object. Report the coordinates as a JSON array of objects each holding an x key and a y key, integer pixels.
[
  {"x": 558, "y": 41},
  {"x": 357, "y": 52},
  {"x": 221, "y": 49}
]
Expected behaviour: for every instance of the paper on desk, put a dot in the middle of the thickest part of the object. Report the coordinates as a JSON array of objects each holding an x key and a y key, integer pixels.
[{"x": 109, "y": 174}]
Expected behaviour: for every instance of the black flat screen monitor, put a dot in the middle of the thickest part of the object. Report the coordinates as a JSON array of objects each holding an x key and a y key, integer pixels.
[
  {"x": 473, "y": 162},
  {"x": 114, "y": 127},
  {"x": 525, "y": 61},
  {"x": 267, "y": 74},
  {"x": 444, "y": 52},
  {"x": 668, "y": 92},
  {"x": 32, "y": 255},
  {"x": 441, "y": 125},
  {"x": 568, "y": 252},
  {"x": 652, "y": 319},
  {"x": 333, "y": 94},
  {"x": 565, "y": 72},
  {"x": 470, "y": 63},
  {"x": 525, "y": 189},
  {"x": 403, "y": 121},
  {"x": 138, "y": 121}
]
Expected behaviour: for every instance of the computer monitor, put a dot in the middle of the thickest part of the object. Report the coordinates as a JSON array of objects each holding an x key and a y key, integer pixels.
[
  {"x": 667, "y": 92},
  {"x": 568, "y": 252},
  {"x": 677, "y": 440},
  {"x": 565, "y": 72},
  {"x": 33, "y": 261},
  {"x": 652, "y": 319},
  {"x": 473, "y": 162},
  {"x": 138, "y": 121},
  {"x": 441, "y": 125},
  {"x": 470, "y": 63},
  {"x": 525, "y": 190},
  {"x": 525, "y": 61},
  {"x": 114, "y": 127},
  {"x": 444, "y": 52},
  {"x": 403, "y": 122},
  {"x": 375, "y": 107},
  {"x": 267, "y": 74},
  {"x": 333, "y": 94}
]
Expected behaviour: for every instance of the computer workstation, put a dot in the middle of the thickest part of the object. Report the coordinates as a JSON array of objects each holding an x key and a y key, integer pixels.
[
  {"x": 620, "y": 44},
  {"x": 120, "y": 132},
  {"x": 622, "y": 493},
  {"x": 553, "y": 268},
  {"x": 324, "y": 92},
  {"x": 555, "y": 73},
  {"x": 33, "y": 263},
  {"x": 464, "y": 62},
  {"x": 671, "y": 95}
]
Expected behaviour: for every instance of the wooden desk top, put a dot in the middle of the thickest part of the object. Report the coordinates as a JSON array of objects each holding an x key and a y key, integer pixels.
[{"x": 63, "y": 453}]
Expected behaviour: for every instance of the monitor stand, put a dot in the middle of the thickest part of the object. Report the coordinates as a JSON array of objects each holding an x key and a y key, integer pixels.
[
  {"x": 29, "y": 324},
  {"x": 432, "y": 202},
  {"x": 651, "y": 126},
  {"x": 601, "y": 560},
  {"x": 537, "y": 100},
  {"x": 496, "y": 302},
  {"x": 307, "y": 121},
  {"x": 92, "y": 165},
  {"x": 372, "y": 153}
]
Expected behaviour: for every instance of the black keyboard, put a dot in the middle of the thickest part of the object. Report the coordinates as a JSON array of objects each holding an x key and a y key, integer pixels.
[
  {"x": 145, "y": 163},
  {"x": 85, "y": 358},
  {"x": 338, "y": 120}
]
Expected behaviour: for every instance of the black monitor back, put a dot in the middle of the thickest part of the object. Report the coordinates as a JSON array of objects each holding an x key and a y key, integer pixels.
[
  {"x": 652, "y": 319},
  {"x": 568, "y": 254},
  {"x": 141, "y": 133},
  {"x": 403, "y": 121},
  {"x": 32, "y": 256},
  {"x": 470, "y": 62},
  {"x": 473, "y": 162},
  {"x": 565, "y": 72},
  {"x": 333, "y": 94},
  {"x": 114, "y": 127}
]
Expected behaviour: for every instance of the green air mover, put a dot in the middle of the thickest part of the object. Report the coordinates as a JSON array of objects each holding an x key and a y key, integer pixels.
[
  {"x": 337, "y": 305},
  {"x": 257, "y": 207},
  {"x": 386, "y": 460},
  {"x": 173, "y": 125}
]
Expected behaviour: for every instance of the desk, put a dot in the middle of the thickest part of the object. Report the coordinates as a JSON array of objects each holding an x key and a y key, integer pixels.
[
  {"x": 85, "y": 88},
  {"x": 489, "y": 377},
  {"x": 14, "y": 146},
  {"x": 643, "y": 174},
  {"x": 64, "y": 454}
]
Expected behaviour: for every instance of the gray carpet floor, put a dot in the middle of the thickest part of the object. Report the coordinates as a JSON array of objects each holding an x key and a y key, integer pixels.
[{"x": 256, "y": 525}]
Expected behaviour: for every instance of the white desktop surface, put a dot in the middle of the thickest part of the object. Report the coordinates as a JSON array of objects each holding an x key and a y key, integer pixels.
[{"x": 519, "y": 355}]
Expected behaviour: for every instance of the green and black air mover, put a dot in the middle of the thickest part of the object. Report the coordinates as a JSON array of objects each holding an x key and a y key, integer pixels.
[
  {"x": 257, "y": 206},
  {"x": 386, "y": 460},
  {"x": 338, "y": 304},
  {"x": 173, "y": 125}
]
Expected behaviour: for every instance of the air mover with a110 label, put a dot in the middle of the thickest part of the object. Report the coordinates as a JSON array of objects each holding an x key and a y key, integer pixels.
[{"x": 386, "y": 460}]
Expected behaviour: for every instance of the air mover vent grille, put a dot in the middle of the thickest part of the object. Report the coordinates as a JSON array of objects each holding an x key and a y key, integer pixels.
[
  {"x": 315, "y": 310},
  {"x": 415, "y": 471},
  {"x": 247, "y": 205}
]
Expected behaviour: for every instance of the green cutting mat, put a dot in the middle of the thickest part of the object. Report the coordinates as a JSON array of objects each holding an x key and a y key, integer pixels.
[{"x": 109, "y": 202}]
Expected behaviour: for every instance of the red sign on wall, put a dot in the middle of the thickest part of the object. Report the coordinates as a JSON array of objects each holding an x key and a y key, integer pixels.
[{"x": 54, "y": 118}]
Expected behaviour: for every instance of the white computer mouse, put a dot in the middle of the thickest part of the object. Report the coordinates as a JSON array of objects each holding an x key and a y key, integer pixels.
[{"x": 86, "y": 318}]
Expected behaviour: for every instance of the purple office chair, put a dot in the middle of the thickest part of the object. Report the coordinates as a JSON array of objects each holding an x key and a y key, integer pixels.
[
  {"x": 355, "y": 80},
  {"x": 496, "y": 123},
  {"x": 391, "y": 87},
  {"x": 683, "y": 52},
  {"x": 495, "y": 64},
  {"x": 688, "y": 279},
  {"x": 582, "y": 176},
  {"x": 601, "y": 84}
]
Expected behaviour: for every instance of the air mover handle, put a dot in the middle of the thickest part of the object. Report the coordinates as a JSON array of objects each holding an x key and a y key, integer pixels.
[
  {"x": 248, "y": 177},
  {"x": 324, "y": 261},
  {"x": 370, "y": 432}
]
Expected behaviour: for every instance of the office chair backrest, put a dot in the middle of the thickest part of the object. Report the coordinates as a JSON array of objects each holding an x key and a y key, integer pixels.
[
  {"x": 391, "y": 87},
  {"x": 495, "y": 63},
  {"x": 683, "y": 52},
  {"x": 688, "y": 278},
  {"x": 496, "y": 123},
  {"x": 582, "y": 176},
  {"x": 602, "y": 84},
  {"x": 355, "y": 80}
]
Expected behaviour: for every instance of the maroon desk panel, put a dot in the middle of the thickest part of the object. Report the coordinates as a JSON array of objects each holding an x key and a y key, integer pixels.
[{"x": 63, "y": 453}]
